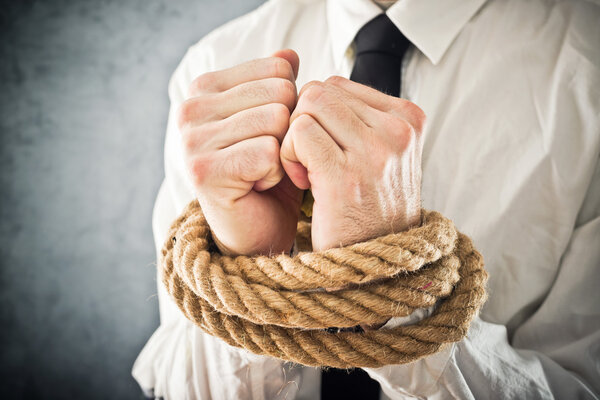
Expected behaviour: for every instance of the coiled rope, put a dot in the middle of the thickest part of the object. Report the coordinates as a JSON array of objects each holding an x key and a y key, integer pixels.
[{"x": 276, "y": 305}]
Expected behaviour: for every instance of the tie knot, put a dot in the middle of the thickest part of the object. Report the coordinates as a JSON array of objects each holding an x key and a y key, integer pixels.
[{"x": 380, "y": 35}]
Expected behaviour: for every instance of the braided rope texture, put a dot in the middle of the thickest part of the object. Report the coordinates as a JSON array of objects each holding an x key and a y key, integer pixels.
[{"x": 277, "y": 306}]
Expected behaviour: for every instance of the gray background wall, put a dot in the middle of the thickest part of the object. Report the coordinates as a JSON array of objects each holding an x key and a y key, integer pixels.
[{"x": 83, "y": 106}]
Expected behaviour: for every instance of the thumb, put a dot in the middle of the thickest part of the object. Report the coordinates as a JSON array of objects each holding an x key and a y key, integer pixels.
[
  {"x": 307, "y": 150},
  {"x": 291, "y": 163},
  {"x": 290, "y": 56}
]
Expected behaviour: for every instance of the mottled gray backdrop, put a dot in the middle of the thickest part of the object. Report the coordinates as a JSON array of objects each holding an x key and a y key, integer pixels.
[{"x": 83, "y": 106}]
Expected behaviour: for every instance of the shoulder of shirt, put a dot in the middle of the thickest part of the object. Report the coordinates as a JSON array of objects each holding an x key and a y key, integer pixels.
[
  {"x": 242, "y": 38},
  {"x": 573, "y": 21},
  {"x": 553, "y": 2},
  {"x": 594, "y": 2}
]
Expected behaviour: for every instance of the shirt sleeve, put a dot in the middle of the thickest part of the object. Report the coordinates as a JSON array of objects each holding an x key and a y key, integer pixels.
[{"x": 553, "y": 354}]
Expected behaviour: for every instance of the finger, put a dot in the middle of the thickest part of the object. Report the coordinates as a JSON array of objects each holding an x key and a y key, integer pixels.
[
  {"x": 308, "y": 148},
  {"x": 385, "y": 124},
  {"x": 266, "y": 120},
  {"x": 217, "y": 106},
  {"x": 369, "y": 115},
  {"x": 381, "y": 101},
  {"x": 254, "y": 161},
  {"x": 342, "y": 124},
  {"x": 290, "y": 56},
  {"x": 257, "y": 93},
  {"x": 283, "y": 64}
]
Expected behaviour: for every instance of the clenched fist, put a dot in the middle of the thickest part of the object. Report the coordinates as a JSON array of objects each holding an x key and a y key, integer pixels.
[
  {"x": 232, "y": 126},
  {"x": 359, "y": 151}
]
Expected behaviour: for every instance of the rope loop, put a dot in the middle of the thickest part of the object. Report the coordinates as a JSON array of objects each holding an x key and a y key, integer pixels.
[{"x": 277, "y": 306}]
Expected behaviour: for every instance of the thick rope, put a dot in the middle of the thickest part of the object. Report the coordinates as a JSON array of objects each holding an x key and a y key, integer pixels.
[{"x": 277, "y": 306}]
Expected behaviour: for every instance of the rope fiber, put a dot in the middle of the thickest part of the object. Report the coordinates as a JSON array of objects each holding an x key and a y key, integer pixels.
[{"x": 277, "y": 306}]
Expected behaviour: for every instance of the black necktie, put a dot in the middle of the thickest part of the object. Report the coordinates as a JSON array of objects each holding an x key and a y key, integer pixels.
[{"x": 380, "y": 47}]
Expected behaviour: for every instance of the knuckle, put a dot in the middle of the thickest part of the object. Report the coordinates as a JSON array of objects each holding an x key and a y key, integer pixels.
[
  {"x": 252, "y": 90},
  {"x": 415, "y": 115},
  {"x": 257, "y": 122},
  {"x": 397, "y": 125},
  {"x": 186, "y": 113},
  {"x": 199, "y": 168},
  {"x": 272, "y": 118},
  {"x": 396, "y": 106},
  {"x": 303, "y": 122},
  {"x": 194, "y": 111},
  {"x": 336, "y": 80},
  {"x": 188, "y": 141},
  {"x": 263, "y": 156},
  {"x": 403, "y": 128},
  {"x": 234, "y": 166},
  {"x": 400, "y": 131},
  {"x": 281, "y": 68},
  {"x": 197, "y": 138},
  {"x": 203, "y": 83},
  {"x": 278, "y": 117},
  {"x": 420, "y": 121},
  {"x": 285, "y": 92},
  {"x": 314, "y": 92},
  {"x": 271, "y": 149},
  {"x": 411, "y": 112}
]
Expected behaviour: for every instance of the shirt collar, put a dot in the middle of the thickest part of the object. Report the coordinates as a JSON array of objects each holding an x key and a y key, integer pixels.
[{"x": 430, "y": 25}]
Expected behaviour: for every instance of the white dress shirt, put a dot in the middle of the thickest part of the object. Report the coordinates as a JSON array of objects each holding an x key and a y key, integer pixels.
[{"x": 511, "y": 89}]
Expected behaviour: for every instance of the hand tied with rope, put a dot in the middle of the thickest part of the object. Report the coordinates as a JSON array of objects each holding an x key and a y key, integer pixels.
[{"x": 276, "y": 306}]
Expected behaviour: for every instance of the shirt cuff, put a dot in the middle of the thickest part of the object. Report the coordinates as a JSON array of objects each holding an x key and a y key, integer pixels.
[{"x": 416, "y": 316}]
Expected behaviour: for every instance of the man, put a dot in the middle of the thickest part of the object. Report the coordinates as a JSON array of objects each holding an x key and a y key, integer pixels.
[{"x": 510, "y": 150}]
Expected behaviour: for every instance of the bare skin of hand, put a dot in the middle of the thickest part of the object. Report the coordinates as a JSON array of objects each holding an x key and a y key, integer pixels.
[
  {"x": 232, "y": 126},
  {"x": 359, "y": 151}
]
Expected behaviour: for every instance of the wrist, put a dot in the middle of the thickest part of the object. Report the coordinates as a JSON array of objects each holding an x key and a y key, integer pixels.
[
  {"x": 226, "y": 251},
  {"x": 251, "y": 249},
  {"x": 356, "y": 229}
]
